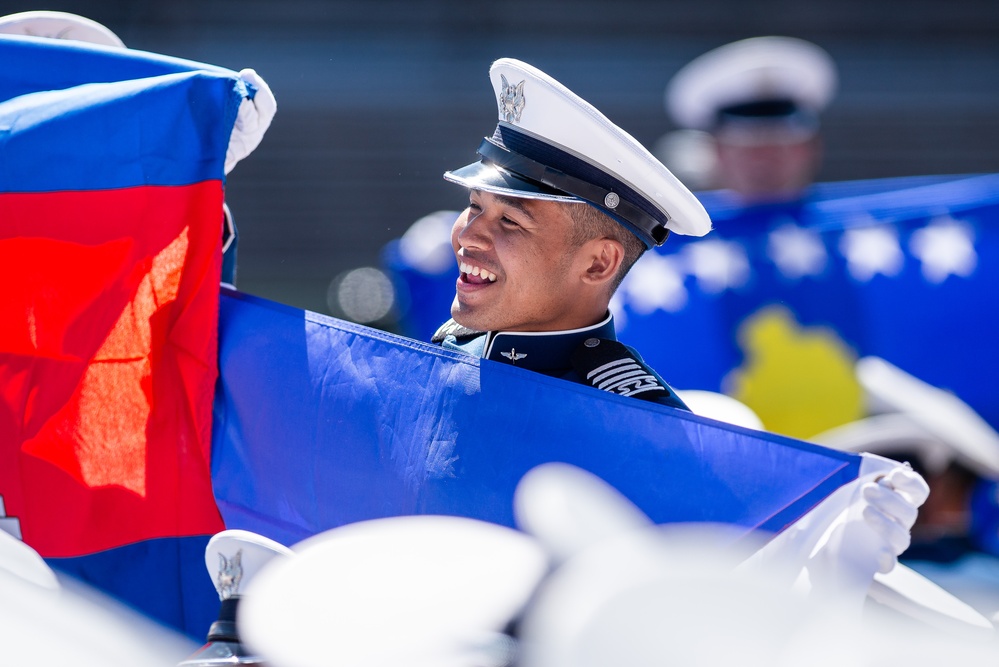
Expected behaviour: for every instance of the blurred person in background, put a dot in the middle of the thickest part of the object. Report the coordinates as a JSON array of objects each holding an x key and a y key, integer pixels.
[
  {"x": 955, "y": 539},
  {"x": 755, "y": 104}
]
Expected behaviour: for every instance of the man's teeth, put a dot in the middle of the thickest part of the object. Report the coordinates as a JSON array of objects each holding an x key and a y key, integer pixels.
[{"x": 476, "y": 271}]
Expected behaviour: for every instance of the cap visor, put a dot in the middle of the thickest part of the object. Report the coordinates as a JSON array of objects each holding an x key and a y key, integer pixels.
[{"x": 490, "y": 178}]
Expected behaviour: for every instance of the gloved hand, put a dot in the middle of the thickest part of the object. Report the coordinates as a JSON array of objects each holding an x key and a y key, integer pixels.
[
  {"x": 252, "y": 120},
  {"x": 890, "y": 510},
  {"x": 858, "y": 530}
]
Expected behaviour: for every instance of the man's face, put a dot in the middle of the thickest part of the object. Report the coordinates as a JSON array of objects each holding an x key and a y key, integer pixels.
[
  {"x": 519, "y": 271},
  {"x": 767, "y": 170}
]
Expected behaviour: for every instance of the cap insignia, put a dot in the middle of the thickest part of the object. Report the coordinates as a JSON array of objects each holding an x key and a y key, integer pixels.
[
  {"x": 230, "y": 573},
  {"x": 511, "y": 100},
  {"x": 512, "y": 355}
]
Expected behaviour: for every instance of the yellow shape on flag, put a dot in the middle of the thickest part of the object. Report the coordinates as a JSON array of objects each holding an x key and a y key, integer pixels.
[{"x": 799, "y": 380}]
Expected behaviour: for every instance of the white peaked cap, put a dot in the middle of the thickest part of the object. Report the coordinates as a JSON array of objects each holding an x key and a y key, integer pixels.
[
  {"x": 722, "y": 407},
  {"x": 568, "y": 509},
  {"x": 23, "y": 562},
  {"x": 551, "y": 144},
  {"x": 58, "y": 25},
  {"x": 941, "y": 414},
  {"x": 751, "y": 70},
  {"x": 916, "y": 417},
  {"x": 433, "y": 591},
  {"x": 234, "y": 557}
]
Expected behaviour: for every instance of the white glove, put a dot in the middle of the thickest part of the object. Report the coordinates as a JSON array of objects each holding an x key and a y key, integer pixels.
[
  {"x": 890, "y": 510},
  {"x": 252, "y": 119},
  {"x": 835, "y": 549}
]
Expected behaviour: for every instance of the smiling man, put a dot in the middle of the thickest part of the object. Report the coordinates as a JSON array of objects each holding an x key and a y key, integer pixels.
[{"x": 561, "y": 205}]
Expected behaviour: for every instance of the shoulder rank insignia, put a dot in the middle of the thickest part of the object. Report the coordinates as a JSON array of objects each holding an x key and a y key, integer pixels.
[{"x": 609, "y": 365}]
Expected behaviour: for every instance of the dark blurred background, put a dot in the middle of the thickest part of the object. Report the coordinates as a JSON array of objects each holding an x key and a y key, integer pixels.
[{"x": 377, "y": 98}]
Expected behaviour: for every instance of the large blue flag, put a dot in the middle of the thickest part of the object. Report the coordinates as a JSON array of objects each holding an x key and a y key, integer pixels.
[
  {"x": 319, "y": 423},
  {"x": 775, "y": 305},
  {"x": 783, "y": 299}
]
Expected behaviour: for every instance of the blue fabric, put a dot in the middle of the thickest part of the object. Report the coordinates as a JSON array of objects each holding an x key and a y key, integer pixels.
[
  {"x": 940, "y": 332},
  {"x": 164, "y": 579},
  {"x": 35, "y": 64},
  {"x": 152, "y": 131},
  {"x": 319, "y": 423}
]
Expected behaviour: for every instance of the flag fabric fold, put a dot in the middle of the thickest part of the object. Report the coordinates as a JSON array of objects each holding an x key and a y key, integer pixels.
[{"x": 319, "y": 423}]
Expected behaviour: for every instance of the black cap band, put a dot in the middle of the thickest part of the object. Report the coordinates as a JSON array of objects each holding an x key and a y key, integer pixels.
[{"x": 641, "y": 223}]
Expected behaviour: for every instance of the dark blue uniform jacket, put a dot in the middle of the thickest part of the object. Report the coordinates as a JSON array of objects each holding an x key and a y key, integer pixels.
[{"x": 591, "y": 356}]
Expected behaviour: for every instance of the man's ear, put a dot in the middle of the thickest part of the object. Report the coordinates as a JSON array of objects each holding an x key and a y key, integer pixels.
[{"x": 604, "y": 257}]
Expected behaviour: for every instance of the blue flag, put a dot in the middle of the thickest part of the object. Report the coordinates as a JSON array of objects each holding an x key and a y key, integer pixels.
[
  {"x": 779, "y": 301},
  {"x": 319, "y": 423}
]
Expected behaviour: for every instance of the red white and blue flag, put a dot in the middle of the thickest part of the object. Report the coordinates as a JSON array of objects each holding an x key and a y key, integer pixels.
[{"x": 111, "y": 190}]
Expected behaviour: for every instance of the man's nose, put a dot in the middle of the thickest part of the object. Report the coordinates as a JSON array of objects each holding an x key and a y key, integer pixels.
[{"x": 475, "y": 232}]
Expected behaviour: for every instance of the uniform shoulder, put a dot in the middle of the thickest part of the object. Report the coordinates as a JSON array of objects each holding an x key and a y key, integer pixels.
[{"x": 612, "y": 366}]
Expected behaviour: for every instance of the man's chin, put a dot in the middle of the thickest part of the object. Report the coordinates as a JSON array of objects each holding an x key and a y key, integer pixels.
[{"x": 466, "y": 319}]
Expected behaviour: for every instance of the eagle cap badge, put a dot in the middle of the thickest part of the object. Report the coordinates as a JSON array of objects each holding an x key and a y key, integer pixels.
[
  {"x": 230, "y": 573},
  {"x": 512, "y": 100}
]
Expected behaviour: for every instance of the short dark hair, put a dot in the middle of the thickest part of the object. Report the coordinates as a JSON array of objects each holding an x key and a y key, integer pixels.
[{"x": 589, "y": 222}]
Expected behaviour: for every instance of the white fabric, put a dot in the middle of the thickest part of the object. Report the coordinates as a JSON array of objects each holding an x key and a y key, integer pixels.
[{"x": 252, "y": 119}]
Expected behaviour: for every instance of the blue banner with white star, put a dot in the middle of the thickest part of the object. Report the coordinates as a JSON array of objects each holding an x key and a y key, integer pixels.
[
  {"x": 319, "y": 423},
  {"x": 776, "y": 304}
]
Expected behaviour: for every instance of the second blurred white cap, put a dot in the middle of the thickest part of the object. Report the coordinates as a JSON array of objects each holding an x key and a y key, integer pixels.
[
  {"x": 58, "y": 25},
  {"x": 788, "y": 73}
]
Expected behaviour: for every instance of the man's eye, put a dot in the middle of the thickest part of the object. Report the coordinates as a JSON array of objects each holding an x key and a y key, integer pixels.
[
  {"x": 508, "y": 222},
  {"x": 474, "y": 207}
]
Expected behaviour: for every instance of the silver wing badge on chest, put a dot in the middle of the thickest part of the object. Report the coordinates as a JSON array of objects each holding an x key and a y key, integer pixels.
[{"x": 513, "y": 355}]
